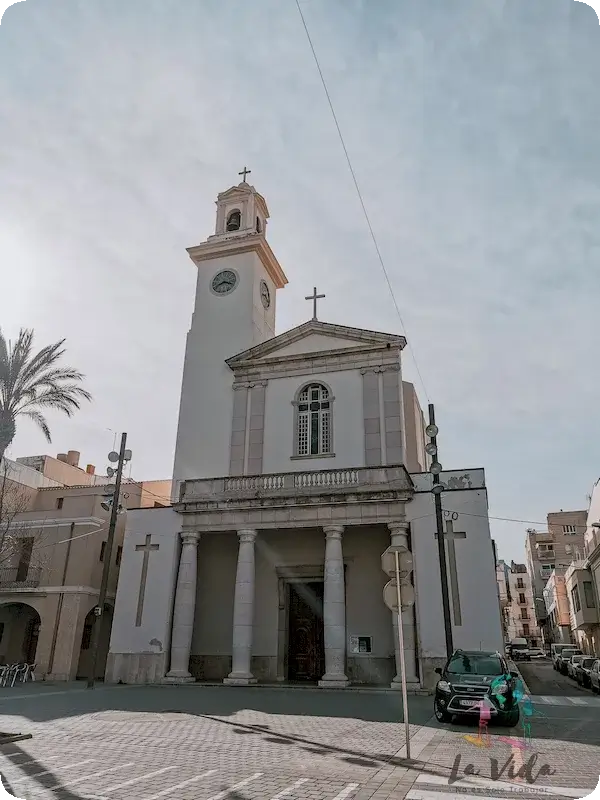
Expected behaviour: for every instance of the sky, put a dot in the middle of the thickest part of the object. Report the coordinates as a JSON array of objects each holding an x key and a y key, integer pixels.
[{"x": 472, "y": 126}]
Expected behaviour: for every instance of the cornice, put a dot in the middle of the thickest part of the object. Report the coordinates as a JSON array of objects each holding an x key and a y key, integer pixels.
[
  {"x": 219, "y": 246},
  {"x": 314, "y": 364}
]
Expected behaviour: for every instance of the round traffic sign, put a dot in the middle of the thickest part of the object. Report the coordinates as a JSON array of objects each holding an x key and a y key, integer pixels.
[{"x": 390, "y": 596}]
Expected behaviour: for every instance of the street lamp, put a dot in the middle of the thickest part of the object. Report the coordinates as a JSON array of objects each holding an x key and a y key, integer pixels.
[
  {"x": 112, "y": 503},
  {"x": 432, "y": 449}
]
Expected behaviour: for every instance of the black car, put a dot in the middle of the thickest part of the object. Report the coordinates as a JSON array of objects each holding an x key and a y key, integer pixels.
[{"x": 466, "y": 681}]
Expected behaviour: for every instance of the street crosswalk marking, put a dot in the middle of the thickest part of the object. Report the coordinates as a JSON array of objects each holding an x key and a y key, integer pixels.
[
  {"x": 181, "y": 785},
  {"x": 235, "y": 787},
  {"x": 290, "y": 789},
  {"x": 352, "y": 787},
  {"x": 92, "y": 775},
  {"x": 105, "y": 793},
  {"x": 138, "y": 779},
  {"x": 31, "y": 761},
  {"x": 562, "y": 700},
  {"x": 48, "y": 771}
]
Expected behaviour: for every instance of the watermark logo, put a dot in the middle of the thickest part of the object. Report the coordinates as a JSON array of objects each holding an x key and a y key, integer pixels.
[
  {"x": 4, "y": 795},
  {"x": 3, "y": 6},
  {"x": 506, "y": 698}
]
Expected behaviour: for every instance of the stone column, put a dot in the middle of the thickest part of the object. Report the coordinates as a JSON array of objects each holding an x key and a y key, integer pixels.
[
  {"x": 399, "y": 536},
  {"x": 184, "y": 611},
  {"x": 243, "y": 612},
  {"x": 334, "y": 610}
]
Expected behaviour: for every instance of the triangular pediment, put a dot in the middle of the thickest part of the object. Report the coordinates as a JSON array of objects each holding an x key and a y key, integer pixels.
[{"x": 313, "y": 339}]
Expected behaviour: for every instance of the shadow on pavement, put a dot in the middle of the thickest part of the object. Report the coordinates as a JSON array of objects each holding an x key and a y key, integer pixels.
[{"x": 33, "y": 771}]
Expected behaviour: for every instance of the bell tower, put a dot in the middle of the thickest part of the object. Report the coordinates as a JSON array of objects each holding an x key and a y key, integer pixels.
[{"x": 238, "y": 278}]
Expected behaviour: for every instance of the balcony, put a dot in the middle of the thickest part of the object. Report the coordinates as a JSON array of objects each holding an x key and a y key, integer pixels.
[
  {"x": 362, "y": 495},
  {"x": 13, "y": 578},
  {"x": 581, "y": 597},
  {"x": 546, "y": 555}
]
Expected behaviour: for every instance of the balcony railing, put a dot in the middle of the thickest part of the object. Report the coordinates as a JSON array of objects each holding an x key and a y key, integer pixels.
[
  {"x": 546, "y": 555},
  {"x": 360, "y": 479},
  {"x": 16, "y": 578}
]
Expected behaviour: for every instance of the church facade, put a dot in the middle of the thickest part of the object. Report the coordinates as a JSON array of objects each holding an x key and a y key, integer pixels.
[{"x": 299, "y": 459}]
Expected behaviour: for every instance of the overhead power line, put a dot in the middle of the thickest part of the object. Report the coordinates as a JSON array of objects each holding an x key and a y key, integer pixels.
[{"x": 360, "y": 197}]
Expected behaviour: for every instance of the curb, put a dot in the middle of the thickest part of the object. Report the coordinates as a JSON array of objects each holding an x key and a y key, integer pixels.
[{"x": 286, "y": 687}]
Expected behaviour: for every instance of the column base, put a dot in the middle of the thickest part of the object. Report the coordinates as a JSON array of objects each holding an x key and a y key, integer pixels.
[
  {"x": 178, "y": 678},
  {"x": 334, "y": 682},
  {"x": 240, "y": 679}
]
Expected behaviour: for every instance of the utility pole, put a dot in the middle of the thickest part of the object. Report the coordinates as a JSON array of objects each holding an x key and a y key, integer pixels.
[
  {"x": 99, "y": 609},
  {"x": 435, "y": 469}
]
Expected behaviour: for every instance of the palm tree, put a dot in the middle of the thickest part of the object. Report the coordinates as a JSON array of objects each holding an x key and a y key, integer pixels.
[{"x": 32, "y": 383}]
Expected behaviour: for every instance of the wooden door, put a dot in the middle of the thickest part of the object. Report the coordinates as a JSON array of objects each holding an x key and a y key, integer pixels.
[{"x": 306, "y": 654}]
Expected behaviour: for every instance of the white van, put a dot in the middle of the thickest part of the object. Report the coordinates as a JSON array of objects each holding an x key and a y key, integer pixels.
[{"x": 519, "y": 649}]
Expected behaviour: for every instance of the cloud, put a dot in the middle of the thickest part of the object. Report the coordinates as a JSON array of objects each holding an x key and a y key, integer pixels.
[{"x": 472, "y": 132}]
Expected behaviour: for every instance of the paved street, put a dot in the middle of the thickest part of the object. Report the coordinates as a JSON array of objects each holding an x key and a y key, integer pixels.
[{"x": 213, "y": 743}]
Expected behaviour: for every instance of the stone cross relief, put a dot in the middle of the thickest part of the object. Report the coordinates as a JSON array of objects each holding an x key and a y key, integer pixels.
[
  {"x": 146, "y": 548},
  {"x": 451, "y": 536}
]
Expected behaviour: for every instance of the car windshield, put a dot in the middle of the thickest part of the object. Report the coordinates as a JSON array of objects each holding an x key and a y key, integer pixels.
[
  {"x": 475, "y": 664},
  {"x": 587, "y": 662},
  {"x": 519, "y": 647}
]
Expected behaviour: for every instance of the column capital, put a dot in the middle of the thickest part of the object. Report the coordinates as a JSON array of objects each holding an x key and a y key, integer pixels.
[
  {"x": 333, "y": 531},
  {"x": 246, "y": 535},
  {"x": 399, "y": 526},
  {"x": 190, "y": 537}
]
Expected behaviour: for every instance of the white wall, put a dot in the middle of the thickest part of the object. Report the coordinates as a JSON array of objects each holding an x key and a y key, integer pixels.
[
  {"x": 481, "y": 623},
  {"x": 164, "y": 525},
  {"x": 348, "y": 423},
  {"x": 222, "y": 327}
]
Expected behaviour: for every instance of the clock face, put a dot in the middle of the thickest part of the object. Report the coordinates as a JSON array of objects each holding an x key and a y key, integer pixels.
[
  {"x": 224, "y": 282},
  {"x": 265, "y": 294}
]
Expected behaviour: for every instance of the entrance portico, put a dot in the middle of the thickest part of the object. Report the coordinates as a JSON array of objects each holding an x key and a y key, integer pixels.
[{"x": 328, "y": 527}]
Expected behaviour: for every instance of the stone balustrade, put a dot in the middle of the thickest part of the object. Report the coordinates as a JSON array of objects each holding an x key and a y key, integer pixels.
[{"x": 356, "y": 480}]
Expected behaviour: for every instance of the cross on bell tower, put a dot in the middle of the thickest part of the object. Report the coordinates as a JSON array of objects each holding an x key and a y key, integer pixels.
[{"x": 243, "y": 173}]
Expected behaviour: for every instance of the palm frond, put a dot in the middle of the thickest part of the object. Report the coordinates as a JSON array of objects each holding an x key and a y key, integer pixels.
[
  {"x": 40, "y": 421},
  {"x": 30, "y": 382}
]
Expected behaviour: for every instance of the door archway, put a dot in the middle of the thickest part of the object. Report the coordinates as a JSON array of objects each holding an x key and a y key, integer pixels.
[
  {"x": 85, "y": 654},
  {"x": 20, "y": 626}
]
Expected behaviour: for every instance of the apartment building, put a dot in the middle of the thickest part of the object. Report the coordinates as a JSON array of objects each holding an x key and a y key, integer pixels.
[
  {"x": 555, "y": 548},
  {"x": 557, "y": 623},
  {"x": 517, "y": 603},
  {"x": 53, "y": 534},
  {"x": 503, "y": 595}
]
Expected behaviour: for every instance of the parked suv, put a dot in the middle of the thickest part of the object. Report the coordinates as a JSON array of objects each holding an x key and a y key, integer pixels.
[
  {"x": 563, "y": 658},
  {"x": 466, "y": 681},
  {"x": 595, "y": 676}
]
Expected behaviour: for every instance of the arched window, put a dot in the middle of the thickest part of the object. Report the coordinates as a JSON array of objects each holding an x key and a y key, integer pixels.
[
  {"x": 234, "y": 221},
  {"x": 314, "y": 430}
]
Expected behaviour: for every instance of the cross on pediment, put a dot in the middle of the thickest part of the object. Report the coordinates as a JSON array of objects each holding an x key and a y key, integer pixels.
[
  {"x": 146, "y": 549},
  {"x": 314, "y": 297},
  {"x": 451, "y": 536},
  {"x": 244, "y": 172}
]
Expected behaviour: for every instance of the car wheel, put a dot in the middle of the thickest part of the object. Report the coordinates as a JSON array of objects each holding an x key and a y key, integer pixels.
[
  {"x": 511, "y": 718},
  {"x": 440, "y": 713}
]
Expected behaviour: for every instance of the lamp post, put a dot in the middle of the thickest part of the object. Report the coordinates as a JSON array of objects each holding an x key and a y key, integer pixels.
[
  {"x": 122, "y": 457},
  {"x": 432, "y": 431}
]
